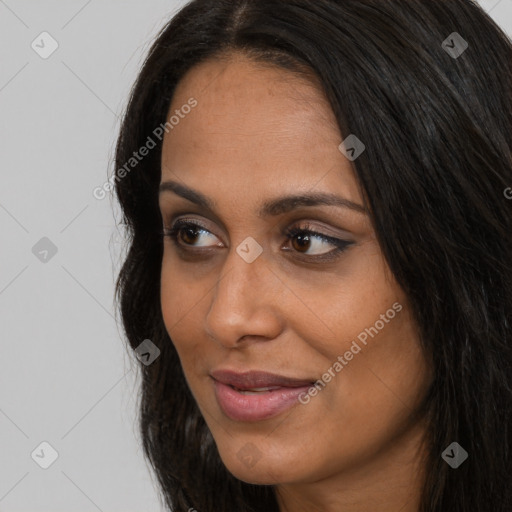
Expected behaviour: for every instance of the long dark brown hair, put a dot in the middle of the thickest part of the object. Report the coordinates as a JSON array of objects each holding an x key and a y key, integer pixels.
[{"x": 437, "y": 126}]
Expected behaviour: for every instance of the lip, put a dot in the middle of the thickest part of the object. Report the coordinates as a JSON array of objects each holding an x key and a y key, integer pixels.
[{"x": 229, "y": 387}]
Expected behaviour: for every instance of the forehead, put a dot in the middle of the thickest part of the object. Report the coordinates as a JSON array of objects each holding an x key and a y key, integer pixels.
[
  {"x": 254, "y": 125},
  {"x": 242, "y": 99},
  {"x": 237, "y": 77}
]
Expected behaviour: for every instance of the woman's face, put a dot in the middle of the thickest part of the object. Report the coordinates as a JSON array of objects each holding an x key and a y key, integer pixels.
[{"x": 239, "y": 295}]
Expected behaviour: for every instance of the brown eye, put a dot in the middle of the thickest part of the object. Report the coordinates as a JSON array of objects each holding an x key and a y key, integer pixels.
[
  {"x": 189, "y": 234},
  {"x": 186, "y": 233},
  {"x": 303, "y": 239},
  {"x": 303, "y": 243}
]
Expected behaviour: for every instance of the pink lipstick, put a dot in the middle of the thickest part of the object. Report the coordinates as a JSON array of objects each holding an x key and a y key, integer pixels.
[{"x": 256, "y": 395}]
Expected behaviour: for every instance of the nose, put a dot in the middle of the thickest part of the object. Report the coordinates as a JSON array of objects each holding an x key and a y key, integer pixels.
[{"x": 246, "y": 302}]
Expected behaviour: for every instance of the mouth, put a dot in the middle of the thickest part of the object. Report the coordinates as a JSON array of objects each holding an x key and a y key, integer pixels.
[{"x": 256, "y": 395}]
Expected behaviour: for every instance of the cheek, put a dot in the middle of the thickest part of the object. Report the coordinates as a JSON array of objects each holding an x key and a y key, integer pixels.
[
  {"x": 181, "y": 289},
  {"x": 373, "y": 368},
  {"x": 182, "y": 299},
  {"x": 341, "y": 307},
  {"x": 378, "y": 387}
]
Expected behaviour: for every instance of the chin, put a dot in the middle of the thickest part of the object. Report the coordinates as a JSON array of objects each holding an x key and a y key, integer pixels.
[
  {"x": 259, "y": 464},
  {"x": 262, "y": 473}
]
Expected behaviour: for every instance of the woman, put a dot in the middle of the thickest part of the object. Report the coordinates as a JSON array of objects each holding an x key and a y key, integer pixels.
[{"x": 320, "y": 250}]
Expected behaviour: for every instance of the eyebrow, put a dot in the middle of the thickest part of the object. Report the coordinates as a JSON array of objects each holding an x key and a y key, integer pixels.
[{"x": 272, "y": 207}]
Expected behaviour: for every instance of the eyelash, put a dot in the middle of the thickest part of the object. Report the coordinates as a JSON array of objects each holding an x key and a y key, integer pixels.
[{"x": 290, "y": 233}]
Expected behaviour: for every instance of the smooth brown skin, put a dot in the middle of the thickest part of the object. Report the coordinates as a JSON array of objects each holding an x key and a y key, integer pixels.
[{"x": 257, "y": 133}]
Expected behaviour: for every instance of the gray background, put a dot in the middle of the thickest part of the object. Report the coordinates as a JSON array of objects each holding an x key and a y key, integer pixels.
[{"x": 65, "y": 376}]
